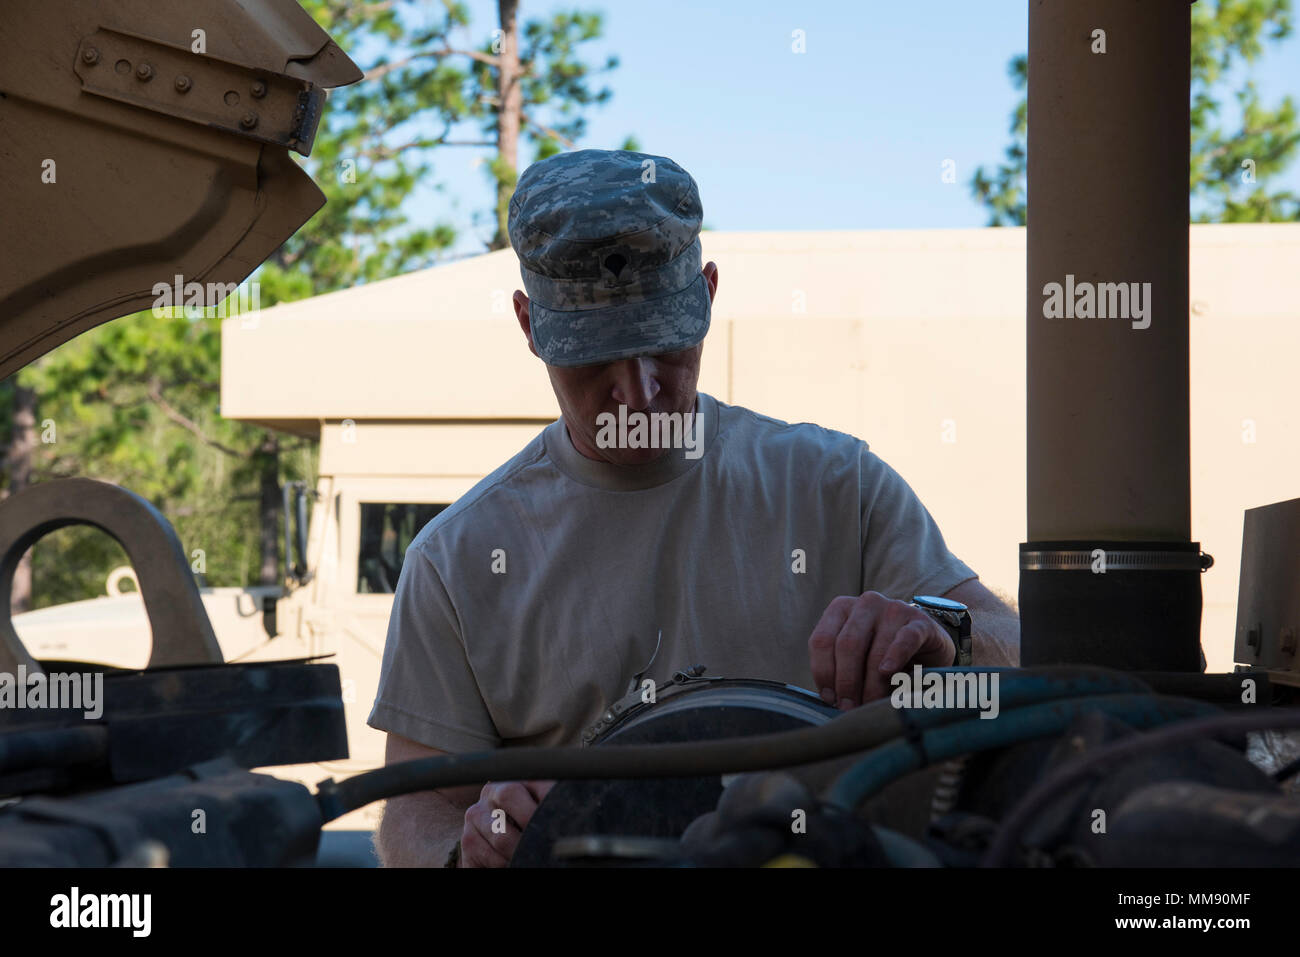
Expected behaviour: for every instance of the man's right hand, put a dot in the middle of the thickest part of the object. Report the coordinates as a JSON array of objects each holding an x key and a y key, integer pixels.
[{"x": 495, "y": 822}]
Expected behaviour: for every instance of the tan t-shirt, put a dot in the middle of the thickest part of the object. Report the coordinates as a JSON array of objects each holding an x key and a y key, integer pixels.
[{"x": 525, "y": 608}]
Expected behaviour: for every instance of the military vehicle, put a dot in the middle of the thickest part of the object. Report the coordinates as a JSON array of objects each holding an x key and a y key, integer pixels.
[{"x": 149, "y": 144}]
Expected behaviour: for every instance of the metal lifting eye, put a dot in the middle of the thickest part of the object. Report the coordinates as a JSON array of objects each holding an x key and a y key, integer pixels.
[{"x": 182, "y": 632}]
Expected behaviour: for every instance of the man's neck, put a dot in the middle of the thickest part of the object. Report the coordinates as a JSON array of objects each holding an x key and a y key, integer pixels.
[{"x": 593, "y": 454}]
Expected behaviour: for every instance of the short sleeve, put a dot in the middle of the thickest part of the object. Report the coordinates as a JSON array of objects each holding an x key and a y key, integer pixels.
[
  {"x": 903, "y": 551},
  {"x": 427, "y": 689}
]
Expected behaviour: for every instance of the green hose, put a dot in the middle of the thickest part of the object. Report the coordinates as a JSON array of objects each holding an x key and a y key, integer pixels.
[{"x": 890, "y": 762}]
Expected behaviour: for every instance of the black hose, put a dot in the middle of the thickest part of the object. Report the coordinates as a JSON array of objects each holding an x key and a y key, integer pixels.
[
  {"x": 856, "y": 730},
  {"x": 1004, "y": 841}
]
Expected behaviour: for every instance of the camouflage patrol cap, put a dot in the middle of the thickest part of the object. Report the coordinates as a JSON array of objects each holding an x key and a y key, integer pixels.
[{"x": 609, "y": 251}]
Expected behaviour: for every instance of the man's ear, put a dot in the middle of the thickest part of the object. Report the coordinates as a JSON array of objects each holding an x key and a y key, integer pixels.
[
  {"x": 521, "y": 313},
  {"x": 711, "y": 277}
]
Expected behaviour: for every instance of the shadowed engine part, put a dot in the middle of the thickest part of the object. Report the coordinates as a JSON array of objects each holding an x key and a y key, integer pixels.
[
  {"x": 160, "y": 721},
  {"x": 213, "y": 815},
  {"x": 693, "y": 708},
  {"x": 1193, "y": 824},
  {"x": 144, "y": 725},
  {"x": 1077, "y": 828},
  {"x": 773, "y": 820}
]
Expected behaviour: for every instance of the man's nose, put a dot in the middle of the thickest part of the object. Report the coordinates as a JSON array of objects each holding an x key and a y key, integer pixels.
[{"x": 634, "y": 384}]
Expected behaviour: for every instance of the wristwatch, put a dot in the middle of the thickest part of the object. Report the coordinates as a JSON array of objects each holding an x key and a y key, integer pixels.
[{"x": 954, "y": 617}]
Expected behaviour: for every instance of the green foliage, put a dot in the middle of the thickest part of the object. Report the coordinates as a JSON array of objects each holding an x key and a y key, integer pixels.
[
  {"x": 127, "y": 403},
  {"x": 362, "y": 234},
  {"x": 1003, "y": 191},
  {"x": 379, "y": 136},
  {"x": 1226, "y": 34}
]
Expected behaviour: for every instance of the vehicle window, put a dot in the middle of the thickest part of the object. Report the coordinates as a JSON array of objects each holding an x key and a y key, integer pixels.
[{"x": 386, "y": 530}]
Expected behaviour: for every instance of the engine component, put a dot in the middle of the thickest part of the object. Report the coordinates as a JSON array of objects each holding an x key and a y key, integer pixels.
[
  {"x": 691, "y": 708},
  {"x": 1193, "y": 824},
  {"x": 1026, "y": 811},
  {"x": 213, "y": 815},
  {"x": 773, "y": 819},
  {"x": 163, "y": 719},
  {"x": 1073, "y": 829}
]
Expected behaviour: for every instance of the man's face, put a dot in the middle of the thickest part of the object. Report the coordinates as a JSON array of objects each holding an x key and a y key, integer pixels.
[
  {"x": 649, "y": 384},
  {"x": 660, "y": 383}
]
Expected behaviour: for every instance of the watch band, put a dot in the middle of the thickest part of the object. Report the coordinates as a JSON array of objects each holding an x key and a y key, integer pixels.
[
  {"x": 955, "y": 619},
  {"x": 965, "y": 643}
]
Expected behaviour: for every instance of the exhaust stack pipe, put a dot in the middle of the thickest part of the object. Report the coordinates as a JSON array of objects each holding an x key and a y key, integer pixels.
[{"x": 1109, "y": 575}]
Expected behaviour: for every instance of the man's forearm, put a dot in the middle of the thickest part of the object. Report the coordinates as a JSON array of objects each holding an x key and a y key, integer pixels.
[
  {"x": 418, "y": 830},
  {"x": 995, "y": 636}
]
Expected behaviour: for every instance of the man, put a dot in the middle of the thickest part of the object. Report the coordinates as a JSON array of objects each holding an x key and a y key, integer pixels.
[{"x": 756, "y": 548}]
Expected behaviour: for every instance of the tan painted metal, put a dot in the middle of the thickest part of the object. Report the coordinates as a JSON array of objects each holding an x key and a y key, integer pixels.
[
  {"x": 1268, "y": 606},
  {"x": 1108, "y": 410},
  {"x": 129, "y": 157},
  {"x": 182, "y": 633}
]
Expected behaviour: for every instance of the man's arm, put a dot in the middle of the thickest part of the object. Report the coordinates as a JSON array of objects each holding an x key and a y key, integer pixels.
[
  {"x": 419, "y": 830},
  {"x": 995, "y": 627}
]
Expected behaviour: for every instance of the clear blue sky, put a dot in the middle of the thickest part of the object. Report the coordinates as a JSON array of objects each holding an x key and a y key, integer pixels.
[{"x": 849, "y": 135}]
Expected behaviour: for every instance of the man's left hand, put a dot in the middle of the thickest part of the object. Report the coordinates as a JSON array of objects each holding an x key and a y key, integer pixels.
[{"x": 860, "y": 642}]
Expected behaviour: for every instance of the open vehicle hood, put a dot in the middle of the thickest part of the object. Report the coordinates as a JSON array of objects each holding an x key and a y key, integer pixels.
[{"x": 142, "y": 140}]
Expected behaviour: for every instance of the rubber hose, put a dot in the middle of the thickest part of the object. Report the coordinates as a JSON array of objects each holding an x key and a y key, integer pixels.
[{"x": 889, "y": 763}]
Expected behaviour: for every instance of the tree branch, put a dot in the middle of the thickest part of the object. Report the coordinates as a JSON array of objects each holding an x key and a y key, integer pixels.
[
  {"x": 550, "y": 132},
  {"x": 383, "y": 69},
  {"x": 155, "y": 394},
  {"x": 487, "y": 58},
  {"x": 381, "y": 152}
]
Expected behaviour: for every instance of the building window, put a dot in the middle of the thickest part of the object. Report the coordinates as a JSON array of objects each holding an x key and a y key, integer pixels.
[{"x": 386, "y": 530}]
